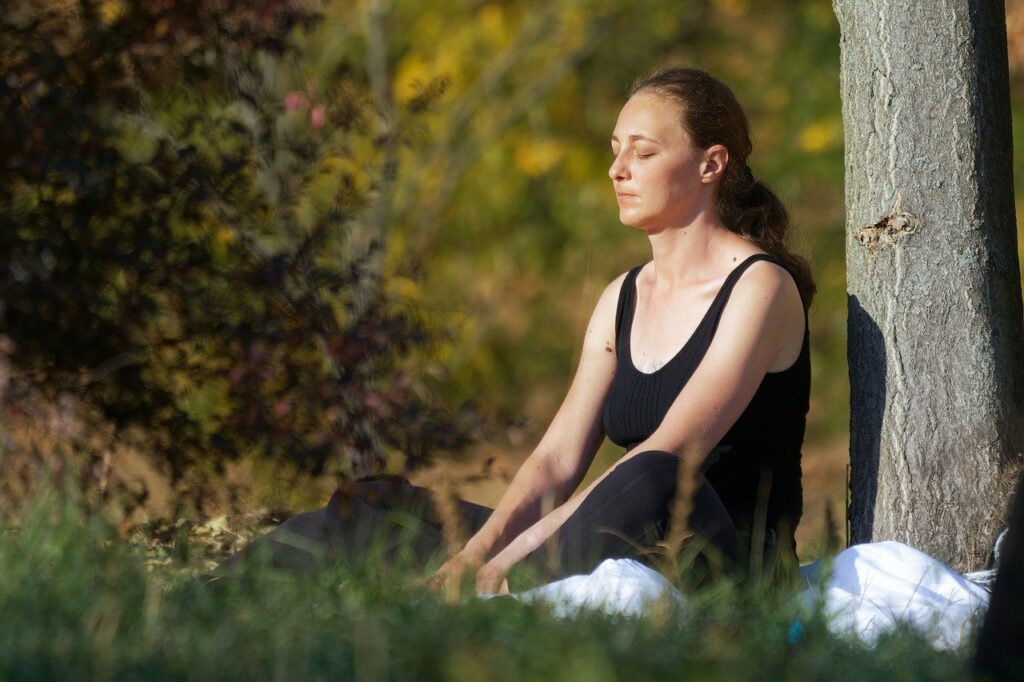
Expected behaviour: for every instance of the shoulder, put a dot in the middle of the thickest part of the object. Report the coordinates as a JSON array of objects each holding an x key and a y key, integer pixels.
[
  {"x": 766, "y": 296},
  {"x": 610, "y": 295},
  {"x": 615, "y": 286},
  {"x": 601, "y": 329},
  {"x": 767, "y": 277}
]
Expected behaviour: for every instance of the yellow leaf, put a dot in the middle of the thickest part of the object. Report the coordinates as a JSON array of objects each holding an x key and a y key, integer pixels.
[
  {"x": 493, "y": 25},
  {"x": 411, "y": 75},
  {"x": 111, "y": 11},
  {"x": 536, "y": 157},
  {"x": 224, "y": 236},
  {"x": 575, "y": 24},
  {"x": 819, "y": 136},
  {"x": 403, "y": 287}
]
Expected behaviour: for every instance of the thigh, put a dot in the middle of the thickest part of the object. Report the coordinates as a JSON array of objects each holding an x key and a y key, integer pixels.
[
  {"x": 628, "y": 513},
  {"x": 393, "y": 513},
  {"x": 394, "y": 493},
  {"x": 381, "y": 517}
]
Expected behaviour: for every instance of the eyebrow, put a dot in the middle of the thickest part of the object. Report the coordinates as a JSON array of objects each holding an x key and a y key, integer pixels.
[{"x": 637, "y": 137}]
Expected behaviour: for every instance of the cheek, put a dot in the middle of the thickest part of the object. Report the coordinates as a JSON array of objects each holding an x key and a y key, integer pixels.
[
  {"x": 685, "y": 177},
  {"x": 678, "y": 189},
  {"x": 661, "y": 176},
  {"x": 674, "y": 181}
]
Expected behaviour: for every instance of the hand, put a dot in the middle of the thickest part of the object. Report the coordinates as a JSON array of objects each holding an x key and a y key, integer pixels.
[
  {"x": 491, "y": 579},
  {"x": 450, "y": 573}
]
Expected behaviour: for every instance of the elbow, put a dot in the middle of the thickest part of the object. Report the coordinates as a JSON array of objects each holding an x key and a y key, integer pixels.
[
  {"x": 655, "y": 444},
  {"x": 558, "y": 477},
  {"x": 689, "y": 449}
]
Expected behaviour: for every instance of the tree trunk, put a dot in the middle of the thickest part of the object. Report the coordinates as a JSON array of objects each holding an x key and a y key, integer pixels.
[{"x": 934, "y": 330}]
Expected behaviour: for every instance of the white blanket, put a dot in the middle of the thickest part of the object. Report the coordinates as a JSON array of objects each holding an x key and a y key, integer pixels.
[{"x": 870, "y": 589}]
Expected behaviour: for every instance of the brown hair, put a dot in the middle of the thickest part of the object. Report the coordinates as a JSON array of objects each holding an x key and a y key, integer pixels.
[{"x": 712, "y": 115}]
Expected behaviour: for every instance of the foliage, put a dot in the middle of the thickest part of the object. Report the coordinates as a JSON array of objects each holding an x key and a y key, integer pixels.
[
  {"x": 181, "y": 246},
  {"x": 88, "y": 608}
]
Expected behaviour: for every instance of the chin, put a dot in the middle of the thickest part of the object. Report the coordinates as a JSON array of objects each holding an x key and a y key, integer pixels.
[
  {"x": 634, "y": 221},
  {"x": 630, "y": 219}
]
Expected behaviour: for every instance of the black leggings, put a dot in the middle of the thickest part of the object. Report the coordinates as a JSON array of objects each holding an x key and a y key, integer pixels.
[
  {"x": 629, "y": 512},
  {"x": 623, "y": 517}
]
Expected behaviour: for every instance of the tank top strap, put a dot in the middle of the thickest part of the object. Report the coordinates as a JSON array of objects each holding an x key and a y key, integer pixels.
[
  {"x": 625, "y": 303},
  {"x": 714, "y": 313}
]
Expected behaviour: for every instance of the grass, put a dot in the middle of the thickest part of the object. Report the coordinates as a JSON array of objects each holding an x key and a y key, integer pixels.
[{"x": 80, "y": 602}]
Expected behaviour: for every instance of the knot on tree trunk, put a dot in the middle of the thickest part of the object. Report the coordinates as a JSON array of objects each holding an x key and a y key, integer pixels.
[{"x": 887, "y": 231}]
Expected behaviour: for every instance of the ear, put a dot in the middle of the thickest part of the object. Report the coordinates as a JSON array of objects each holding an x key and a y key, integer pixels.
[{"x": 716, "y": 157}]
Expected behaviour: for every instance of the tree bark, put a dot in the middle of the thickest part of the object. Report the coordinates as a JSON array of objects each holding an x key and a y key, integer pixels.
[{"x": 934, "y": 330}]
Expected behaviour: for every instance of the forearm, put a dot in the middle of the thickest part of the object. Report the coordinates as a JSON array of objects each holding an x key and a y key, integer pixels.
[
  {"x": 537, "y": 534},
  {"x": 537, "y": 488}
]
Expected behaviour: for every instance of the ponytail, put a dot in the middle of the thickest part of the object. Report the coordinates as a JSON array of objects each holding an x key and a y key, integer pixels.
[{"x": 757, "y": 214}]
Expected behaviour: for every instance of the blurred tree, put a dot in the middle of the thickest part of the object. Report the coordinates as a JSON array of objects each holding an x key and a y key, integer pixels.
[
  {"x": 935, "y": 315},
  {"x": 491, "y": 201},
  {"x": 504, "y": 222},
  {"x": 181, "y": 239}
]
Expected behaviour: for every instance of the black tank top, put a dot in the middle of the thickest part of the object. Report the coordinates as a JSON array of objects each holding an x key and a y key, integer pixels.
[{"x": 761, "y": 452}]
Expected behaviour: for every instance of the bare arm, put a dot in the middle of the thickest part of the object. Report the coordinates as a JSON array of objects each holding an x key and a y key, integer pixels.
[
  {"x": 561, "y": 459},
  {"x": 751, "y": 335}
]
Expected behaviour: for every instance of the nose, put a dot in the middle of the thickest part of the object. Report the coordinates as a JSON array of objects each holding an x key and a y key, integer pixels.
[{"x": 618, "y": 170}]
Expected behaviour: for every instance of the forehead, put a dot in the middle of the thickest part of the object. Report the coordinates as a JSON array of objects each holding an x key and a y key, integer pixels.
[{"x": 650, "y": 115}]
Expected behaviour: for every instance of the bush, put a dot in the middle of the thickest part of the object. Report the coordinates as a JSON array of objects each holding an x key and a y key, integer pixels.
[{"x": 182, "y": 247}]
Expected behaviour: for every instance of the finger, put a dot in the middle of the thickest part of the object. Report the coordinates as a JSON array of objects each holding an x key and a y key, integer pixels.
[{"x": 420, "y": 582}]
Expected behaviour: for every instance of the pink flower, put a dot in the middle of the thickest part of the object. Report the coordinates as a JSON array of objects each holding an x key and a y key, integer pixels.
[
  {"x": 295, "y": 100},
  {"x": 317, "y": 116}
]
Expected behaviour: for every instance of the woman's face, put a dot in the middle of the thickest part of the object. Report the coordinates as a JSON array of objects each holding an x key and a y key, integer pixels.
[{"x": 661, "y": 179}]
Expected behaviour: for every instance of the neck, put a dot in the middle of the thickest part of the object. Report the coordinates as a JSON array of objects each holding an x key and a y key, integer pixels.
[{"x": 683, "y": 255}]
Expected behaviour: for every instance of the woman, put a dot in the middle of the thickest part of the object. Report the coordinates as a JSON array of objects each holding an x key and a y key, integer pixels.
[
  {"x": 730, "y": 401},
  {"x": 737, "y": 389}
]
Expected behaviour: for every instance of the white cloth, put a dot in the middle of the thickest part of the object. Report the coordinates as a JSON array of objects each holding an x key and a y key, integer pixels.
[
  {"x": 873, "y": 587},
  {"x": 870, "y": 589},
  {"x": 621, "y": 587}
]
